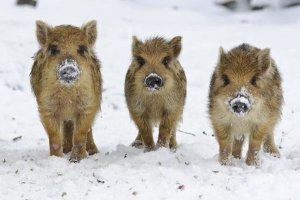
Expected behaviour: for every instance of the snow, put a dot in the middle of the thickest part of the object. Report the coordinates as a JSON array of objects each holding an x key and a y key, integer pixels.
[
  {"x": 68, "y": 72},
  {"x": 120, "y": 171}
]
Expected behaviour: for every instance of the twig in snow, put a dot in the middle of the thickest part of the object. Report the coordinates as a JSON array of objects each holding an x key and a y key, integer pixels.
[
  {"x": 15, "y": 139},
  {"x": 188, "y": 133},
  {"x": 98, "y": 179},
  {"x": 27, "y": 2},
  {"x": 181, "y": 187}
]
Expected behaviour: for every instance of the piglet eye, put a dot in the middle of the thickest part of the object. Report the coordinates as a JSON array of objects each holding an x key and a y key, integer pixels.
[
  {"x": 253, "y": 80},
  {"x": 225, "y": 79},
  {"x": 81, "y": 50},
  {"x": 140, "y": 60},
  {"x": 53, "y": 49},
  {"x": 166, "y": 61}
]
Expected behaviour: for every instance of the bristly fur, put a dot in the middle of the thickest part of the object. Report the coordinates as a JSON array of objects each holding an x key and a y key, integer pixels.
[
  {"x": 164, "y": 106},
  {"x": 67, "y": 113},
  {"x": 254, "y": 69}
]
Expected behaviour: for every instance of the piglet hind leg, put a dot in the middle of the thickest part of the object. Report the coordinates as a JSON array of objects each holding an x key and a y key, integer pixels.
[
  {"x": 167, "y": 129},
  {"x": 238, "y": 147},
  {"x": 173, "y": 141},
  {"x": 270, "y": 147},
  {"x": 91, "y": 147},
  {"x": 83, "y": 125},
  {"x": 68, "y": 130},
  {"x": 138, "y": 142}
]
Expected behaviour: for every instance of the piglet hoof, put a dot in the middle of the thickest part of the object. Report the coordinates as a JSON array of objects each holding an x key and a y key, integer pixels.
[
  {"x": 253, "y": 159},
  {"x": 226, "y": 161},
  {"x": 77, "y": 157},
  {"x": 137, "y": 144},
  {"x": 159, "y": 146},
  {"x": 173, "y": 149},
  {"x": 253, "y": 162},
  {"x": 55, "y": 150},
  {"x": 273, "y": 151},
  {"x": 275, "y": 154},
  {"x": 149, "y": 148},
  {"x": 78, "y": 153},
  {"x": 92, "y": 150},
  {"x": 173, "y": 146},
  {"x": 237, "y": 154},
  {"x": 162, "y": 144}
]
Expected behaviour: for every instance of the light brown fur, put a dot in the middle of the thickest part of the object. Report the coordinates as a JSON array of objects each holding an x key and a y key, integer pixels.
[
  {"x": 67, "y": 112},
  {"x": 164, "y": 106},
  {"x": 240, "y": 65}
]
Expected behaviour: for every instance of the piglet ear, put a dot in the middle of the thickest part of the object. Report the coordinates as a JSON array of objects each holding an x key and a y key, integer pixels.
[
  {"x": 222, "y": 55},
  {"x": 264, "y": 60},
  {"x": 42, "y": 32},
  {"x": 90, "y": 30},
  {"x": 136, "y": 44},
  {"x": 176, "y": 45}
]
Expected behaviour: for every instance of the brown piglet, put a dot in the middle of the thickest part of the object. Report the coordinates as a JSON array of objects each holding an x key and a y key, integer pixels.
[
  {"x": 245, "y": 100},
  {"x": 67, "y": 84},
  {"x": 155, "y": 90}
]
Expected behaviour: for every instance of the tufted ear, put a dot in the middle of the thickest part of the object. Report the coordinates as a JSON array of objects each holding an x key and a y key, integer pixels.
[
  {"x": 176, "y": 45},
  {"x": 222, "y": 55},
  {"x": 90, "y": 30},
  {"x": 42, "y": 32},
  {"x": 264, "y": 60},
  {"x": 136, "y": 44}
]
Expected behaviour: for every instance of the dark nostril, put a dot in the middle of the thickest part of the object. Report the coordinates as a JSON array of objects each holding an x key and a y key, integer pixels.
[
  {"x": 240, "y": 107},
  {"x": 157, "y": 81},
  {"x": 67, "y": 71},
  {"x": 153, "y": 81}
]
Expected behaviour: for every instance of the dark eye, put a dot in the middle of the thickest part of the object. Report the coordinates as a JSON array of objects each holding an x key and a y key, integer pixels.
[
  {"x": 81, "y": 50},
  {"x": 253, "y": 80},
  {"x": 166, "y": 61},
  {"x": 140, "y": 60},
  {"x": 225, "y": 79},
  {"x": 53, "y": 49}
]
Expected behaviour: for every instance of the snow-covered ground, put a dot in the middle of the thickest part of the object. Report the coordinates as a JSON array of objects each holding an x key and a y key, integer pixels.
[{"x": 120, "y": 171}]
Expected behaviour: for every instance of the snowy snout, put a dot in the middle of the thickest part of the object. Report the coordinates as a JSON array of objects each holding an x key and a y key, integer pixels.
[
  {"x": 68, "y": 71},
  {"x": 241, "y": 103},
  {"x": 153, "y": 82}
]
